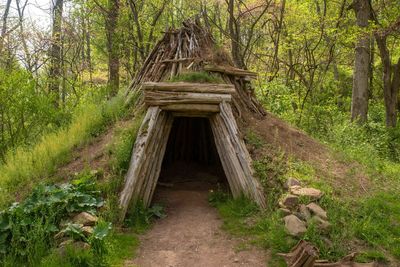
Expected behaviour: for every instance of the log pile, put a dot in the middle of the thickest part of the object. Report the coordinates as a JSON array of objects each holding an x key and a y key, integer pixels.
[
  {"x": 192, "y": 48},
  {"x": 306, "y": 255}
]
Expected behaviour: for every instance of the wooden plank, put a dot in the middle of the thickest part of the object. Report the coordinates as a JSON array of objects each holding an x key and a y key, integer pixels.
[
  {"x": 251, "y": 185},
  {"x": 132, "y": 182},
  {"x": 168, "y": 98},
  {"x": 211, "y": 88},
  {"x": 230, "y": 71},
  {"x": 194, "y": 108},
  {"x": 192, "y": 114},
  {"x": 152, "y": 155}
]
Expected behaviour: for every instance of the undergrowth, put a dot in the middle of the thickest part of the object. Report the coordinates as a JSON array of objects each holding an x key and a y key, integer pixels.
[
  {"x": 368, "y": 225},
  {"x": 25, "y": 166},
  {"x": 27, "y": 229}
]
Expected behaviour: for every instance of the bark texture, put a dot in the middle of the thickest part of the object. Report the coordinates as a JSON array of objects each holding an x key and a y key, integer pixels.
[
  {"x": 112, "y": 46},
  {"x": 359, "y": 106},
  {"x": 55, "y": 52},
  {"x": 391, "y": 81}
]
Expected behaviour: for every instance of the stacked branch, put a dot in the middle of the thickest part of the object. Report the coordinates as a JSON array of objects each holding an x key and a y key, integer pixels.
[{"x": 192, "y": 48}]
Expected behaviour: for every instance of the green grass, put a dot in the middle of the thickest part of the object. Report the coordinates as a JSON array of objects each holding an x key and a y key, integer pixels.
[
  {"x": 26, "y": 166},
  {"x": 120, "y": 246},
  {"x": 196, "y": 77},
  {"x": 369, "y": 225}
]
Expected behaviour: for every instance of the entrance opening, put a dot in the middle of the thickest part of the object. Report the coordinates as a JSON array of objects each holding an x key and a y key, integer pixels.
[{"x": 191, "y": 157}]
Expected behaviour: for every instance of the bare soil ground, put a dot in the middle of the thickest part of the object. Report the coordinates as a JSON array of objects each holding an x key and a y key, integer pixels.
[{"x": 191, "y": 234}]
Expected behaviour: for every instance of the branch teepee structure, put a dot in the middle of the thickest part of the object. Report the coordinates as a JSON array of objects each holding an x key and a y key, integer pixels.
[{"x": 191, "y": 48}]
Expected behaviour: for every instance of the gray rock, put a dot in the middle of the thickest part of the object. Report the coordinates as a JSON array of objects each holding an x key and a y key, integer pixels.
[
  {"x": 317, "y": 210},
  {"x": 85, "y": 219},
  {"x": 306, "y": 192},
  {"x": 305, "y": 213},
  {"x": 321, "y": 223},
  {"x": 294, "y": 225},
  {"x": 291, "y": 182},
  {"x": 290, "y": 201}
]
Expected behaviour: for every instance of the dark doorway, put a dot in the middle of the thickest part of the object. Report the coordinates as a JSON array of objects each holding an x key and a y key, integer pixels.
[{"x": 191, "y": 155}]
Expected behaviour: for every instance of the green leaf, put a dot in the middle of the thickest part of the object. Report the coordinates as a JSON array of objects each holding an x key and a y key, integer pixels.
[{"x": 101, "y": 230}]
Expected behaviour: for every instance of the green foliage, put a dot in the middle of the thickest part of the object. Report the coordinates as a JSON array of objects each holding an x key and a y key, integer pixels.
[
  {"x": 25, "y": 111},
  {"x": 271, "y": 170},
  {"x": 254, "y": 140},
  {"x": 217, "y": 197},
  {"x": 27, "y": 228},
  {"x": 377, "y": 222},
  {"x": 24, "y": 167},
  {"x": 139, "y": 217},
  {"x": 196, "y": 77},
  {"x": 122, "y": 144},
  {"x": 122, "y": 246},
  {"x": 235, "y": 212}
]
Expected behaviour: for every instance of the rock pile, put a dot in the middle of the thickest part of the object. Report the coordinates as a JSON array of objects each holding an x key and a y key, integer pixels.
[
  {"x": 84, "y": 223},
  {"x": 298, "y": 216}
]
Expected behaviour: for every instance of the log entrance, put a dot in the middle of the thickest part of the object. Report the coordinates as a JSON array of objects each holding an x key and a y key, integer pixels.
[
  {"x": 207, "y": 103},
  {"x": 191, "y": 154}
]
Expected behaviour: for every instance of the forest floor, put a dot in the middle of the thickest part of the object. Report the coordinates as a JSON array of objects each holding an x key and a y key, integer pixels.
[{"x": 191, "y": 234}]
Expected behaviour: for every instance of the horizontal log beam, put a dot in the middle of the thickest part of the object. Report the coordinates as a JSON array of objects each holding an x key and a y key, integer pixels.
[
  {"x": 230, "y": 71},
  {"x": 194, "y": 108},
  {"x": 163, "y": 98},
  {"x": 211, "y": 88}
]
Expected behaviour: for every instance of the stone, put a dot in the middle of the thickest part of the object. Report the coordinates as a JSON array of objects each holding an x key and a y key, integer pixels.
[
  {"x": 317, "y": 210},
  {"x": 285, "y": 212},
  {"x": 86, "y": 219},
  {"x": 87, "y": 230},
  {"x": 321, "y": 223},
  {"x": 294, "y": 225},
  {"x": 66, "y": 243},
  {"x": 75, "y": 245},
  {"x": 310, "y": 192},
  {"x": 291, "y": 182},
  {"x": 305, "y": 213},
  {"x": 290, "y": 201}
]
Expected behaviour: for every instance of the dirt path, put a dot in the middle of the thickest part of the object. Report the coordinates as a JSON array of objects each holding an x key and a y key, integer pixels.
[{"x": 190, "y": 235}]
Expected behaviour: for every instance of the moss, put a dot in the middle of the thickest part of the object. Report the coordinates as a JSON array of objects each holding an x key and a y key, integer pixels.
[{"x": 196, "y": 77}]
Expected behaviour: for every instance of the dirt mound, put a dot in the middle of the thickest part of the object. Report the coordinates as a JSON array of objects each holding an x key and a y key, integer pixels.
[{"x": 348, "y": 177}]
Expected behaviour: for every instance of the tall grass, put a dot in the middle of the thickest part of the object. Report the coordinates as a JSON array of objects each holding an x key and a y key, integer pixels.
[{"x": 25, "y": 167}]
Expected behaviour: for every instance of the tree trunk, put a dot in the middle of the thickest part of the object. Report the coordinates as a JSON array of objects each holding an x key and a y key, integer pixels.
[
  {"x": 234, "y": 32},
  {"x": 391, "y": 81},
  {"x": 4, "y": 24},
  {"x": 55, "y": 52},
  {"x": 359, "y": 105},
  {"x": 112, "y": 46}
]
